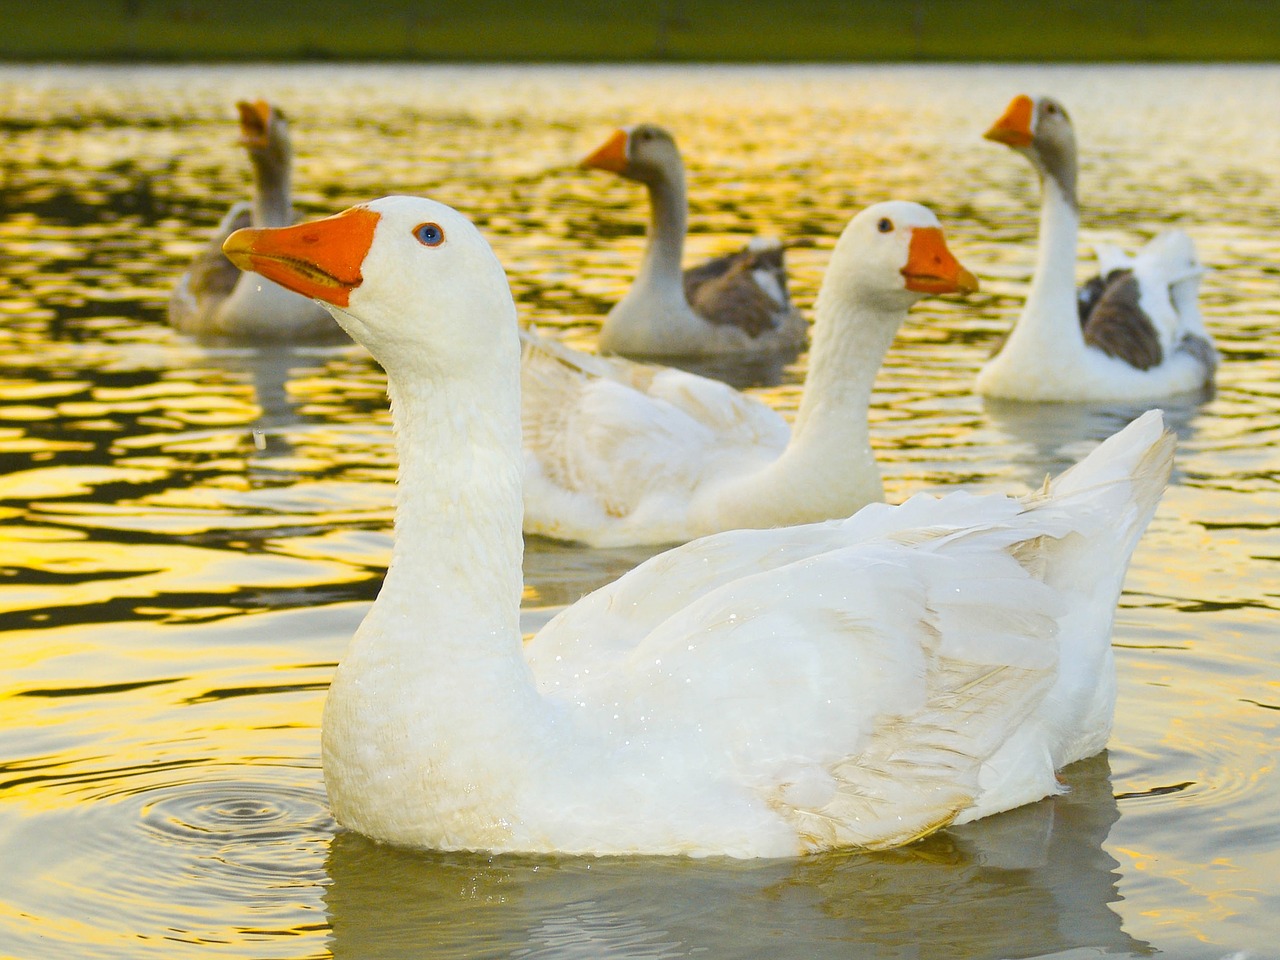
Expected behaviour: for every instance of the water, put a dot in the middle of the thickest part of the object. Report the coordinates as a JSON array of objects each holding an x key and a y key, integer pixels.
[{"x": 189, "y": 534}]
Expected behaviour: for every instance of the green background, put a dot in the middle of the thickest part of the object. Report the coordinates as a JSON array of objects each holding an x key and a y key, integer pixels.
[{"x": 590, "y": 30}]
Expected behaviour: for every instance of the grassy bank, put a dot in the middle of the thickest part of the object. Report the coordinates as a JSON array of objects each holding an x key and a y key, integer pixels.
[{"x": 586, "y": 30}]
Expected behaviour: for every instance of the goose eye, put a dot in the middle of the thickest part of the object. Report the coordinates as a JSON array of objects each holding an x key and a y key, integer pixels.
[
  {"x": 429, "y": 234},
  {"x": 885, "y": 225},
  {"x": 1050, "y": 108}
]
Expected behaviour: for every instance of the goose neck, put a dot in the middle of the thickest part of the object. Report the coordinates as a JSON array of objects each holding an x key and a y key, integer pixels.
[
  {"x": 272, "y": 195},
  {"x": 455, "y": 574},
  {"x": 849, "y": 342},
  {"x": 668, "y": 221},
  {"x": 1052, "y": 297}
]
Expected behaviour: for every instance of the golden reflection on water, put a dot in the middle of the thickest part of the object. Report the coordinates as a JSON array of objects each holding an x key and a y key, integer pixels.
[{"x": 190, "y": 533}]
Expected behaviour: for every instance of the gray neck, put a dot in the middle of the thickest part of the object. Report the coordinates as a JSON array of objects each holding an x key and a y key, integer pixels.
[
  {"x": 1057, "y": 164},
  {"x": 668, "y": 221},
  {"x": 272, "y": 195}
]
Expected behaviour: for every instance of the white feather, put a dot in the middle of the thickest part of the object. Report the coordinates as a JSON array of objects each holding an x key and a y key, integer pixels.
[{"x": 859, "y": 682}]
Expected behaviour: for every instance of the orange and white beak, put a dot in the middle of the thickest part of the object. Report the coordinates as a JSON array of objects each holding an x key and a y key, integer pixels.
[
  {"x": 321, "y": 259},
  {"x": 931, "y": 268},
  {"x": 1014, "y": 126},
  {"x": 611, "y": 155},
  {"x": 255, "y": 122}
]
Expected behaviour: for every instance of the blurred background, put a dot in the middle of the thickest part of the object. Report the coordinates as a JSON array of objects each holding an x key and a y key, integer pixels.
[{"x": 596, "y": 30}]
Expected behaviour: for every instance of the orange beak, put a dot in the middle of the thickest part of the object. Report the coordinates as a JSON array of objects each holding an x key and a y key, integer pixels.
[
  {"x": 1014, "y": 126},
  {"x": 931, "y": 268},
  {"x": 255, "y": 121},
  {"x": 321, "y": 259},
  {"x": 611, "y": 155}
]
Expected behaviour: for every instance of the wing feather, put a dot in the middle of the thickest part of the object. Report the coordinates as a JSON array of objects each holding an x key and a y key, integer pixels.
[
  {"x": 942, "y": 659},
  {"x": 607, "y": 438},
  {"x": 871, "y": 708},
  {"x": 210, "y": 277}
]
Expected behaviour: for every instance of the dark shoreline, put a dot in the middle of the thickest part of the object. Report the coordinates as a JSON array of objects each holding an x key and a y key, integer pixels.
[{"x": 658, "y": 31}]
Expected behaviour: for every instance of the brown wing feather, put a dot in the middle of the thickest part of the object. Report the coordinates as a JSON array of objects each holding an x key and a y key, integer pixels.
[
  {"x": 735, "y": 298},
  {"x": 725, "y": 290},
  {"x": 1118, "y": 327},
  {"x": 695, "y": 277},
  {"x": 1089, "y": 294}
]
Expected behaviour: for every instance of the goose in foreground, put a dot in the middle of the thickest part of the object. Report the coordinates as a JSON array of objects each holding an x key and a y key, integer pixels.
[
  {"x": 618, "y": 453},
  {"x": 1134, "y": 332},
  {"x": 859, "y": 682},
  {"x": 213, "y": 298},
  {"x": 736, "y": 304}
]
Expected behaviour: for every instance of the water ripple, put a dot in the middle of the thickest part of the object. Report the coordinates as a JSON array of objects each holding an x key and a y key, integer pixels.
[{"x": 187, "y": 855}]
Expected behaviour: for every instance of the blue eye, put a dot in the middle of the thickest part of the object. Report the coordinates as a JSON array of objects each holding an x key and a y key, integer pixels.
[
  {"x": 885, "y": 225},
  {"x": 429, "y": 234}
]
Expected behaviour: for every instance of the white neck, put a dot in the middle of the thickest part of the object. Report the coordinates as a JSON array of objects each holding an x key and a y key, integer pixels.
[
  {"x": 828, "y": 468},
  {"x": 272, "y": 194},
  {"x": 849, "y": 343},
  {"x": 1050, "y": 320},
  {"x": 458, "y": 510},
  {"x": 435, "y": 693}
]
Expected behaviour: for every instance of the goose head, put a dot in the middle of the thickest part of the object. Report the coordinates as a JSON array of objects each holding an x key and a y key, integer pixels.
[
  {"x": 264, "y": 133},
  {"x": 411, "y": 279},
  {"x": 1041, "y": 131},
  {"x": 891, "y": 255},
  {"x": 644, "y": 152}
]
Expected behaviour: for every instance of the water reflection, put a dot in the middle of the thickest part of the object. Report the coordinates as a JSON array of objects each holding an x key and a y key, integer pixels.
[
  {"x": 1046, "y": 438},
  {"x": 557, "y": 574},
  {"x": 1030, "y": 883},
  {"x": 768, "y": 371}
]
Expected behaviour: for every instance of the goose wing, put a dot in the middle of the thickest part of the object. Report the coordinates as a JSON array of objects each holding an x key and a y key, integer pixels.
[
  {"x": 210, "y": 277},
  {"x": 603, "y": 436},
  {"x": 864, "y": 708},
  {"x": 746, "y": 289},
  {"x": 1118, "y": 324},
  {"x": 862, "y": 675}
]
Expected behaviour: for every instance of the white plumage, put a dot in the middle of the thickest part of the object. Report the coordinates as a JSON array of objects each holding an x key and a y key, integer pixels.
[
  {"x": 1135, "y": 332},
  {"x": 619, "y": 453},
  {"x": 756, "y": 693}
]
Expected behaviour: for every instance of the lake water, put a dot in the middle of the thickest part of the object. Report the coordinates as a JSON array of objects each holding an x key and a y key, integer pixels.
[{"x": 190, "y": 534}]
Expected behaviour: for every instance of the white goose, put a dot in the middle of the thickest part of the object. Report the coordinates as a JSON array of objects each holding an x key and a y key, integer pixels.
[
  {"x": 617, "y": 453},
  {"x": 736, "y": 304},
  {"x": 755, "y": 693},
  {"x": 1133, "y": 333},
  {"x": 213, "y": 298}
]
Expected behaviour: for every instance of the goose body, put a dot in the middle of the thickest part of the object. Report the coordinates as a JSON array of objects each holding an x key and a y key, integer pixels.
[
  {"x": 735, "y": 304},
  {"x": 213, "y": 298},
  {"x": 1133, "y": 332},
  {"x": 618, "y": 453},
  {"x": 859, "y": 682}
]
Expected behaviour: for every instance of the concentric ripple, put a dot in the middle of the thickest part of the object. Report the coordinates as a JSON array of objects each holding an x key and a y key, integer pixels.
[{"x": 174, "y": 861}]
